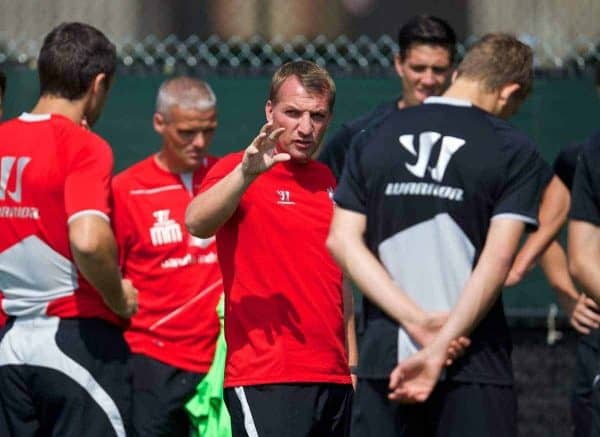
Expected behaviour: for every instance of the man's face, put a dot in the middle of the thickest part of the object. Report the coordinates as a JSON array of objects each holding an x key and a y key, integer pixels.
[
  {"x": 187, "y": 135},
  {"x": 305, "y": 117},
  {"x": 424, "y": 72}
]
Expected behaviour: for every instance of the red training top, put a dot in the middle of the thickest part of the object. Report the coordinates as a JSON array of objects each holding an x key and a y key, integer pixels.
[
  {"x": 176, "y": 274},
  {"x": 51, "y": 172},
  {"x": 284, "y": 313}
]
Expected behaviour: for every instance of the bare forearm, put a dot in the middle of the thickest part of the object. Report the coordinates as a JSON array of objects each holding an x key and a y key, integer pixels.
[
  {"x": 555, "y": 266},
  {"x": 361, "y": 266},
  {"x": 95, "y": 253},
  {"x": 349, "y": 322},
  {"x": 485, "y": 284},
  {"x": 552, "y": 215},
  {"x": 584, "y": 256},
  {"x": 208, "y": 211}
]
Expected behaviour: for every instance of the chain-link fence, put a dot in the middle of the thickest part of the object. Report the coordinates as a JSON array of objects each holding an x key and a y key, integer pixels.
[{"x": 363, "y": 55}]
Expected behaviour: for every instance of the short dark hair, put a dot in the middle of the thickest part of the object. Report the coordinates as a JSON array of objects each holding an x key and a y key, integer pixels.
[
  {"x": 2, "y": 83},
  {"x": 72, "y": 55},
  {"x": 426, "y": 29},
  {"x": 314, "y": 79}
]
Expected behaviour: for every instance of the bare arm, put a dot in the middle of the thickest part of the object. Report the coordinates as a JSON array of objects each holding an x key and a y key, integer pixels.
[
  {"x": 350, "y": 326},
  {"x": 346, "y": 244},
  {"x": 94, "y": 250},
  {"x": 553, "y": 213},
  {"x": 583, "y": 311},
  {"x": 208, "y": 211},
  {"x": 414, "y": 379},
  {"x": 584, "y": 256}
]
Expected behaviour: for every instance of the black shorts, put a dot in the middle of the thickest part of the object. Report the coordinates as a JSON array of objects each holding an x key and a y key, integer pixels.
[
  {"x": 290, "y": 410},
  {"x": 160, "y": 392},
  {"x": 64, "y": 377},
  {"x": 587, "y": 367},
  {"x": 454, "y": 409}
]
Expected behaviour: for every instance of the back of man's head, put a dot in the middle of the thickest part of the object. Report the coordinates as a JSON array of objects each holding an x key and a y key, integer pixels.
[
  {"x": 426, "y": 29},
  {"x": 186, "y": 92},
  {"x": 72, "y": 55},
  {"x": 499, "y": 59}
]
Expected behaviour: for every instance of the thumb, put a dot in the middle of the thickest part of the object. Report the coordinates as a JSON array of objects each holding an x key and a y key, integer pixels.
[{"x": 281, "y": 157}]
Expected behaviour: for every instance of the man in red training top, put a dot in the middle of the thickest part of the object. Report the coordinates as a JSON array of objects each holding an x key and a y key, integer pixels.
[
  {"x": 270, "y": 205},
  {"x": 173, "y": 335},
  {"x": 63, "y": 359}
]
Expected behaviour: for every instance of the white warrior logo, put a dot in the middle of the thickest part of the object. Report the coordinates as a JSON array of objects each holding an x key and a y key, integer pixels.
[
  {"x": 427, "y": 140},
  {"x": 6, "y": 166}
]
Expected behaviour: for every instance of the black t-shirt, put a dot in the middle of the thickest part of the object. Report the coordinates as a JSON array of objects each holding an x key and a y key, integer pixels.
[
  {"x": 429, "y": 180},
  {"x": 565, "y": 163},
  {"x": 333, "y": 154},
  {"x": 585, "y": 193}
]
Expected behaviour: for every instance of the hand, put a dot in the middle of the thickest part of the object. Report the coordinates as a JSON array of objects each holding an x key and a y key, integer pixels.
[
  {"x": 127, "y": 306},
  {"x": 413, "y": 379},
  {"x": 261, "y": 154},
  {"x": 425, "y": 330},
  {"x": 424, "y": 333},
  {"x": 584, "y": 314}
]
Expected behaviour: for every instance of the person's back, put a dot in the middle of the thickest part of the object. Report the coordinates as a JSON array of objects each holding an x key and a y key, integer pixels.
[
  {"x": 441, "y": 184},
  {"x": 439, "y": 195},
  {"x": 42, "y": 188},
  {"x": 63, "y": 358}
]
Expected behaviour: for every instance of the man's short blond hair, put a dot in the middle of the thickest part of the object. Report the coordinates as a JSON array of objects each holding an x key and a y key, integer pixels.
[
  {"x": 315, "y": 79},
  {"x": 499, "y": 59}
]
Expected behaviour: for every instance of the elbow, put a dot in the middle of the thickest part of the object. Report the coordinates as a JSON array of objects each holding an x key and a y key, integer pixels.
[
  {"x": 335, "y": 246},
  {"x": 576, "y": 266},
  {"x": 195, "y": 225},
  {"x": 196, "y": 229},
  {"x": 89, "y": 236},
  {"x": 87, "y": 246}
]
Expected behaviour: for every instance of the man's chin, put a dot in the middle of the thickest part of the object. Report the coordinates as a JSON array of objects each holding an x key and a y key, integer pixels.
[{"x": 300, "y": 156}]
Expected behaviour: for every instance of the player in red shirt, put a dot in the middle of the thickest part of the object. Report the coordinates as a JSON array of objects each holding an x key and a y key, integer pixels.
[
  {"x": 63, "y": 359},
  {"x": 287, "y": 366},
  {"x": 173, "y": 335}
]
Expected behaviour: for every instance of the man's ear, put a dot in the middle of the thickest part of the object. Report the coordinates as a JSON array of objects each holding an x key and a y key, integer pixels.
[
  {"x": 398, "y": 65},
  {"x": 454, "y": 76},
  {"x": 269, "y": 111},
  {"x": 507, "y": 91},
  {"x": 159, "y": 123},
  {"x": 99, "y": 84}
]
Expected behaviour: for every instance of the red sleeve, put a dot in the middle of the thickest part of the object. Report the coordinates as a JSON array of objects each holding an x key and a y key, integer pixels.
[
  {"x": 120, "y": 219},
  {"x": 220, "y": 169},
  {"x": 87, "y": 185}
]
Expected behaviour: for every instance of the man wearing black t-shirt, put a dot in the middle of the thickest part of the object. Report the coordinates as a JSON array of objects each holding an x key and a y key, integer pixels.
[
  {"x": 431, "y": 207},
  {"x": 584, "y": 258},
  {"x": 423, "y": 64}
]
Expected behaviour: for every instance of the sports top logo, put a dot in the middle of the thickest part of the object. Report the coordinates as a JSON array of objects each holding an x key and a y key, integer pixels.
[
  {"x": 6, "y": 168},
  {"x": 449, "y": 146}
]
